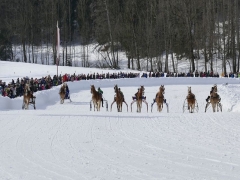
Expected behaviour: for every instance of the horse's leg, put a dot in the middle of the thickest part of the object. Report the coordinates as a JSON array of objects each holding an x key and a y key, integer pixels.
[
  {"x": 160, "y": 105},
  {"x": 27, "y": 103},
  {"x": 99, "y": 105},
  {"x": 138, "y": 106},
  {"x": 120, "y": 109},
  {"x": 96, "y": 105},
  {"x": 117, "y": 106},
  {"x": 213, "y": 106}
]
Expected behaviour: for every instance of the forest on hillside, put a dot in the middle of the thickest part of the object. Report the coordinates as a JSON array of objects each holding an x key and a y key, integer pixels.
[{"x": 186, "y": 29}]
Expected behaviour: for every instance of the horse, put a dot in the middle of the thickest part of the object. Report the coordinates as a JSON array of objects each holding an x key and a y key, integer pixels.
[
  {"x": 96, "y": 98},
  {"x": 139, "y": 98},
  {"x": 214, "y": 99},
  {"x": 160, "y": 98},
  {"x": 62, "y": 93},
  {"x": 27, "y": 96},
  {"x": 119, "y": 99},
  {"x": 191, "y": 100}
]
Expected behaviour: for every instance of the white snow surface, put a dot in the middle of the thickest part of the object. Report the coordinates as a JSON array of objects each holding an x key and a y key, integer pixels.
[{"x": 70, "y": 142}]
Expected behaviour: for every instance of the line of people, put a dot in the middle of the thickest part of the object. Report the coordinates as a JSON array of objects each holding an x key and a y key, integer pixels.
[
  {"x": 16, "y": 87},
  {"x": 191, "y": 74}
]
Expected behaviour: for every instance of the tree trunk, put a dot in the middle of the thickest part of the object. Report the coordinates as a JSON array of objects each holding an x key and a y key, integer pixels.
[
  {"x": 128, "y": 65},
  {"x": 173, "y": 64},
  {"x": 24, "y": 51}
]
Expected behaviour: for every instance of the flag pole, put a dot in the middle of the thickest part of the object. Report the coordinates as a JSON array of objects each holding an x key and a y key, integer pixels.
[{"x": 58, "y": 47}]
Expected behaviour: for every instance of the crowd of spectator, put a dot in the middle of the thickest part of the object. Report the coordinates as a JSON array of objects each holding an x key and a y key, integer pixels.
[
  {"x": 16, "y": 87},
  {"x": 190, "y": 74}
]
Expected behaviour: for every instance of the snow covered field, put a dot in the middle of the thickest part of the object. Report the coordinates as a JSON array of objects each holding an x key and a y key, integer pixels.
[{"x": 70, "y": 142}]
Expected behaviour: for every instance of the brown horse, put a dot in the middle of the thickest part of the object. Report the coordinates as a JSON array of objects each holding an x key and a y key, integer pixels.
[
  {"x": 119, "y": 99},
  {"x": 96, "y": 98},
  {"x": 62, "y": 93},
  {"x": 27, "y": 96},
  {"x": 191, "y": 100},
  {"x": 139, "y": 98},
  {"x": 214, "y": 100},
  {"x": 160, "y": 98}
]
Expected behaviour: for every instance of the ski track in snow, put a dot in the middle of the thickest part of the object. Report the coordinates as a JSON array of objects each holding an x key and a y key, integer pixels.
[{"x": 68, "y": 141}]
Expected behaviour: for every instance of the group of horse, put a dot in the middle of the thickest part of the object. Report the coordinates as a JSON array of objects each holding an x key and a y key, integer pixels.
[
  {"x": 214, "y": 100},
  {"x": 139, "y": 98},
  {"x": 190, "y": 102},
  {"x": 29, "y": 98}
]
